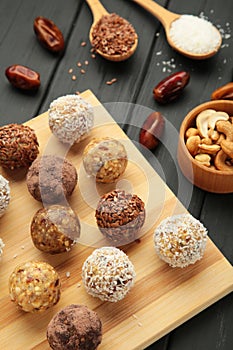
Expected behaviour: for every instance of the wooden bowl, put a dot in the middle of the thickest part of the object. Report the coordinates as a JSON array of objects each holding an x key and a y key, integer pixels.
[{"x": 208, "y": 179}]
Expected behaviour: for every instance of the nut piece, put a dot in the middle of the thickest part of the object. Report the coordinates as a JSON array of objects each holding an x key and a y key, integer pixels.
[
  {"x": 152, "y": 130},
  {"x": 209, "y": 149},
  {"x": 204, "y": 159},
  {"x": 207, "y": 141},
  {"x": 191, "y": 132},
  {"x": 224, "y": 92},
  {"x": 192, "y": 144},
  {"x": 171, "y": 87},
  {"x": 220, "y": 162},
  {"x": 213, "y": 134},
  {"x": 202, "y": 121}
]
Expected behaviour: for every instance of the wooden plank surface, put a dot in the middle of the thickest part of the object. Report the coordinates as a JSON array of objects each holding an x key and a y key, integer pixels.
[{"x": 162, "y": 297}]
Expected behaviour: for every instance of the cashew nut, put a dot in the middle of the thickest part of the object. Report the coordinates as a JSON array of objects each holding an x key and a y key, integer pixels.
[
  {"x": 215, "y": 117},
  {"x": 192, "y": 144},
  {"x": 220, "y": 162},
  {"x": 207, "y": 141},
  {"x": 226, "y": 128},
  {"x": 221, "y": 137},
  {"x": 191, "y": 132},
  {"x": 213, "y": 134},
  {"x": 204, "y": 159},
  {"x": 209, "y": 149},
  {"x": 227, "y": 147},
  {"x": 202, "y": 121}
]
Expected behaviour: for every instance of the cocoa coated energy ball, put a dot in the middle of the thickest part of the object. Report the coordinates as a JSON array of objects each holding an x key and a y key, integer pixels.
[
  {"x": 55, "y": 229},
  {"x": 4, "y": 195},
  {"x": 120, "y": 216},
  {"x": 180, "y": 240},
  {"x": 105, "y": 159},
  {"x": 70, "y": 118},
  {"x": 108, "y": 274},
  {"x": 34, "y": 286},
  {"x": 51, "y": 179},
  {"x": 75, "y": 327},
  {"x": 18, "y": 146}
]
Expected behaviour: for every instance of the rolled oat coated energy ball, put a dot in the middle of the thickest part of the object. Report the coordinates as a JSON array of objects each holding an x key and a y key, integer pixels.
[
  {"x": 34, "y": 286},
  {"x": 4, "y": 195},
  {"x": 180, "y": 240},
  {"x": 120, "y": 216},
  {"x": 108, "y": 274},
  {"x": 18, "y": 146},
  {"x": 55, "y": 229},
  {"x": 70, "y": 118},
  {"x": 105, "y": 159},
  {"x": 75, "y": 327}
]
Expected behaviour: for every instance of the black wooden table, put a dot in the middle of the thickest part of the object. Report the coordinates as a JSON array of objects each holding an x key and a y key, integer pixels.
[{"x": 153, "y": 60}]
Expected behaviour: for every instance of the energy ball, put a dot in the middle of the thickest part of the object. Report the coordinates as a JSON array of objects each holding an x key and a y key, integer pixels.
[
  {"x": 4, "y": 195},
  {"x": 75, "y": 327},
  {"x": 180, "y": 240},
  {"x": 34, "y": 286},
  {"x": 105, "y": 159},
  {"x": 2, "y": 245},
  {"x": 55, "y": 229},
  {"x": 51, "y": 179},
  {"x": 120, "y": 216},
  {"x": 70, "y": 118},
  {"x": 108, "y": 274},
  {"x": 18, "y": 146}
]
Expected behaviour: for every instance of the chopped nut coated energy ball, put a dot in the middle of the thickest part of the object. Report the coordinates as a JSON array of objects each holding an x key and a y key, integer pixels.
[
  {"x": 108, "y": 274},
  {"x": 18, "y": 146},
  {"x": 120, "y": 216},
  {"x": 70, "y": 118},
  {"x": 105, "y": 159},
  {"x": 34, "y": 286},
  {"x": 55, "y": 229},
  {"x": 75, "y": 327},
  {"x": 4, "y": 195},
  {"x": 180, "y": 240}
]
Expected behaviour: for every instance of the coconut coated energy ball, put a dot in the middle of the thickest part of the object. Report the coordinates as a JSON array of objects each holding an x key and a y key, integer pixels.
[
  {"x": 70, "y": 118},
  {"x": 34, "y": 286},
  {"x": 105, "y": 159},
  {"x": 18, "y": 146},
  {"x": 4, "y": 195},
  {"x": 180, "y": 240},
  {"x": 55, "y": 229},
  {"x": 75, "y": 327},
  {"x": 108, "y": 274}
]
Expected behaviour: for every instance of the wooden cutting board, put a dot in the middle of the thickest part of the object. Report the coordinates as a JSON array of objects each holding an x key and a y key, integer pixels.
[{"x": 162, "y": 297}]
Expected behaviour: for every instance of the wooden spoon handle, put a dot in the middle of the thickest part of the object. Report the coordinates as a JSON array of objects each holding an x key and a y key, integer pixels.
[
  {"x": 163, "y": 15},
  {"x": 97, "y": 9}
]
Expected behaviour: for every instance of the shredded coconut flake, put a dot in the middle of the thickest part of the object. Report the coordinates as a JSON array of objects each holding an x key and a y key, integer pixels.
[{"x": 194, "y": 34}]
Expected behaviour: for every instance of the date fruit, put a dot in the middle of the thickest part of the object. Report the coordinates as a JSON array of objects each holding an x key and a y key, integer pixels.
[
  {"x": 171, "y": 87},
  {"x": 224, "y": 92},
  {"x": 23, "y": 77},
  {"x": 152, "y": 130},
  {"x": 48, "y": 34}
]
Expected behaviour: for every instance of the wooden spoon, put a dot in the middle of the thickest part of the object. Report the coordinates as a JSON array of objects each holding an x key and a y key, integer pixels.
[
  {"x": 166, "y": 18},
  {"x": 98, "y": 11}
]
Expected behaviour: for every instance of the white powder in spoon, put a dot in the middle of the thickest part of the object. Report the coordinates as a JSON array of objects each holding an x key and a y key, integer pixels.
[{"x": 195, "y": 35}]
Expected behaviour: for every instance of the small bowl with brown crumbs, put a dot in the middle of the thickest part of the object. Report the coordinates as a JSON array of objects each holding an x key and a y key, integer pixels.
[
  {"x": 19, "y": 146},
  {"x": 105, "y": 159},
  {"x": 205, "y": 148},
  {"x": 55, "y": 229},
  {"x": 120, "y": 216}
]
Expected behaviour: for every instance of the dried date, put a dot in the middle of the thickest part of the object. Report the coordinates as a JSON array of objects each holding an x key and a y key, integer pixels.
[
  {"x": 23, "y": 77},
  {"x": 171, "y": 87},
  {"x": 152, "y": 130},
  {"x": 48, "y": 34},
  {"x": 224, "y": 92}
]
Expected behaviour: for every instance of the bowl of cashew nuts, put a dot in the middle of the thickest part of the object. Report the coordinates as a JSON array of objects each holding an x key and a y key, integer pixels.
[{"x": 205, "y": 148}]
